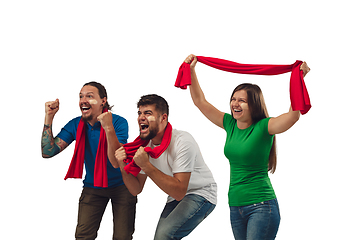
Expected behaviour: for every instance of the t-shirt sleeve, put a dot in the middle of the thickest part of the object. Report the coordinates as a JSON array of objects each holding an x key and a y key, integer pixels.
[
  {"x": 264, "y": 125},
  {"x": 185, "y": 155},
  {"x": 227, "y": 121},
  {"x": 68, "y": 132},
  {"x": 121, "y": 129}
]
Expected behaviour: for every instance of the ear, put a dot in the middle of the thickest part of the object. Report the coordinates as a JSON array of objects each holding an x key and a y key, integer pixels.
[
  {"x": 103, "y": 101},
  {"x": 164, "y": 117}
]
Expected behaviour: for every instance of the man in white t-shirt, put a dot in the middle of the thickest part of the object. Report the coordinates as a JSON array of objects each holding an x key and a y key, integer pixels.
[{"x": 179, "y": 171}]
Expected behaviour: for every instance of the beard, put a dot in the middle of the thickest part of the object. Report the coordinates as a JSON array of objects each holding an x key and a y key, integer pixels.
[
  {"x": 152, "y": 133},
  {"x": 88, "y": 118}
]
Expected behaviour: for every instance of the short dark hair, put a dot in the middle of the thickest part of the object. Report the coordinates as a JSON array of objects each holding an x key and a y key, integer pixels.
[
  {"x": 102, "y": 92},
  {"x": 152, "y": 99}
]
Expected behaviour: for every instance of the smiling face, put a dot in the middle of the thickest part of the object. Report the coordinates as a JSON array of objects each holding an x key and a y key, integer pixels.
[
  {"x": 90, "y": 103},
  {"x": 240, "y": 107},
  {"x": 148, "y": 120}
]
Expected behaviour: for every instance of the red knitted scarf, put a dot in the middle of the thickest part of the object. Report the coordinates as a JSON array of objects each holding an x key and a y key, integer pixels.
[
  {"x": 298, "y": 93},
  {"x": 131, "y": 148},
  {"x": 77, "y": 162}
]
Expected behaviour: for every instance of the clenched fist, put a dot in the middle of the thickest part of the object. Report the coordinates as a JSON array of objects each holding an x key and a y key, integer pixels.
[
  {"x": 51, "y": 109},
  {"x": 105, "y": 120},
  {"x": 141, "y": 158},
  {"x": 192, "y": 60},
  {"x": 120, "y": 154},
  {"x": 305, "y": 68}
]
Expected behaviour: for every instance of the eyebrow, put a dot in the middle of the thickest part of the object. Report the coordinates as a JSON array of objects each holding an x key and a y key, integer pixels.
[
  {"x": 239, "y": 98},
  {"x": 86, "y": 93},
  {"x": 146, "y": 111}
]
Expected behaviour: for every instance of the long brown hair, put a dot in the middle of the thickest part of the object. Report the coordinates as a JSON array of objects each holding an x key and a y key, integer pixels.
[
  {"x": 258, "y": 111},
  {"x": 102, "y": 92}
]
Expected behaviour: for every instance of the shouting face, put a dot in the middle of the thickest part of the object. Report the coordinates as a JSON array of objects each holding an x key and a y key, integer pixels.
[
  {"x": 148, "y": 120},
  {"x": 90, "y": 103}
]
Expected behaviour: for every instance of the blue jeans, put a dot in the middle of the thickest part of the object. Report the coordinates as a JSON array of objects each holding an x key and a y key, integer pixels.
[
  {"x": 179, "y": 218},
  {"x": 255, "y": 222}
]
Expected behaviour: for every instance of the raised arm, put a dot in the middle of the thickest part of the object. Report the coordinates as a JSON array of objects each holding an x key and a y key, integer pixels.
[
  {"x": 113, "y": 143},
  {"x": 285, "y": 121},
  {"x": 51, "y": 146},
  {"x": 198, "y": 97}
]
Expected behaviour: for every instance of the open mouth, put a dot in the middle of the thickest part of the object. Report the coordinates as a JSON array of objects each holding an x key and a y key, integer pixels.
[
  {"x": 85, "y": 109},
  {"x": 237, "y": 110},
  {"x": 143, "y": 127}
]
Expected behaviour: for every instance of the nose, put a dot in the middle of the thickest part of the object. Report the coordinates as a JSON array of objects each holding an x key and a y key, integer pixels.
[
  {"x": 236, "y": 103},
  {"x": 83, "y": 100},
  {"x": 141, "y": 117}
]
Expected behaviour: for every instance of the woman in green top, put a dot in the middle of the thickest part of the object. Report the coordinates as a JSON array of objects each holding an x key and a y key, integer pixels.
[{"x": 250, "y": 149}]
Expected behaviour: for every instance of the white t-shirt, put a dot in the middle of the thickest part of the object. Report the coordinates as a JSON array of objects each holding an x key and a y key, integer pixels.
[{"x": 183, "y": 155}]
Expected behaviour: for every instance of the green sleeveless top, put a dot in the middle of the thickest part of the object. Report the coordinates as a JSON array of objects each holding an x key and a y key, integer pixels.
[{"x": 248, "y": 153}]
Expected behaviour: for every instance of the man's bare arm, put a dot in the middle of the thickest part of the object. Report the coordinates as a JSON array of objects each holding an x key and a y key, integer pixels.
[{"x": 51, "y": 146}]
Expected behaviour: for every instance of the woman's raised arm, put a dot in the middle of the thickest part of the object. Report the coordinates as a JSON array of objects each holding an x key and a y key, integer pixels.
[
  {"x": 198, "y": 97},
  {"x": 285, "y": 121}
]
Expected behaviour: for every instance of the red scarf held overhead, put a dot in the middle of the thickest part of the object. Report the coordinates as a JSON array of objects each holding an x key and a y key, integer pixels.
[
  {"x": 77, "y": 162},
  {"x": 131, "y": 148},
  {"x": 299, "y": 96}
]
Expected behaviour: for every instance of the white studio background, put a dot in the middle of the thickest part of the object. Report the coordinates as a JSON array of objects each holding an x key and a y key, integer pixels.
[{"x": 49, "y": 49}]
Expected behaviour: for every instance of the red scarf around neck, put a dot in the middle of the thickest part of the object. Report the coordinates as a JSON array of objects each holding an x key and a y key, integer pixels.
[
  {"x": 299, "y": 96},
  {"x": 77, "y": 162},
  {"x": 131, "y": 148}
]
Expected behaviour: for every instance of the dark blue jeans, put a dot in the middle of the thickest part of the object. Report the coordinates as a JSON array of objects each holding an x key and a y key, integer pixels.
[
  {"x": 255, "y": 222},
  {"x": 179, "y": 218}
]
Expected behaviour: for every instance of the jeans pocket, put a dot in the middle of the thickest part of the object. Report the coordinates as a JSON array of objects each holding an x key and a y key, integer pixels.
[
  {"x": 84, "y": 193},
  {"x": 82, "y": 196}
]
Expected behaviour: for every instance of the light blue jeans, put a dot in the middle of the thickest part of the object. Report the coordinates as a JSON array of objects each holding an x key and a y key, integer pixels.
[
  {"x": 179, "y": 218},
  {"x": 255, "y": 222}
]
